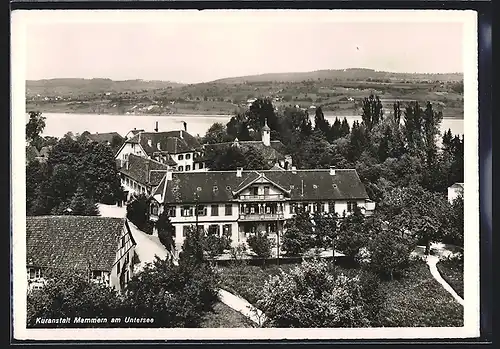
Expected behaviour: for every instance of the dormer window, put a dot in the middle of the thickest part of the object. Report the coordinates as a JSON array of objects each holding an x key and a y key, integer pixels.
[
  {"x": 292, "y": 186},
  {"x": 315, "y": 186},
  {"x": 215, "y": 188},
  {"x": 228, "y": 187}
]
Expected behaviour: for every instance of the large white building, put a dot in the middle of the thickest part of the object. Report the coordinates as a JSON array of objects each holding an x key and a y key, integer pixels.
[
  {"x": 239, "y": 203},
  {"x": 177, "y": 149}
]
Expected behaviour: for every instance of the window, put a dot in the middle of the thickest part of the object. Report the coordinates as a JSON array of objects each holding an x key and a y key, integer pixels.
[
  {"x": 266, "y": 190},
  {"x": 185, "y": 230},
  {"x": 35, "y": 273},
  {"x": 255, "y": 191},
  {"x": 214, "y": 229},
  {"x": 202, "y": 210},
  {"x": 180, "y": 168},
  {"x": 229, "y": 210},
  {"x": 118, "y": 267},
  {"x": 318, "y": 207},
  {"x": 351, "y": 205},
  {"x": 188, "y": 168},
  {"x": 200, "y": 165},
  {"x": 188, "y": 156},
  {"x": 214, "y": 210},
  {"x": 181, "y": 157},
  {"x": 154, "y": 209},
  {"x": 293, "y": 208},
  {"x": 227, "y": 230},
  {"x": 268, "y": 209},
  {"x": 331, "y": 207},
  {"x": 186, "y": 211},
  {"x": 170, "y": 211},
  {"x": 323, "y": 207},
  {"x": 123, "y": 241},
  {"x": 252, "y": 209},
  {"x": 228, "y": 187}
]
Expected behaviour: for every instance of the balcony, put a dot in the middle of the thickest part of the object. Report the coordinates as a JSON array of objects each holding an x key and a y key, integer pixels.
[
  {"x": 264, "y": 197},
  {"x": 249, "y": 217}
]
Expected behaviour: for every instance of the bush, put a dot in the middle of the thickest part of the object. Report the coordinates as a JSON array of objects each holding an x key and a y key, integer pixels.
[
  {"x": 260, "y": 244},
  {"x": 174, "y": 296},
  {"x": 312, "y": 296},
  {"x": 71, "y": 294}
]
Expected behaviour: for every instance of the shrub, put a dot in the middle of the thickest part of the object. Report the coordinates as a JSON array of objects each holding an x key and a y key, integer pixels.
[
  {"x": 312, "y": 296},
  {"x": 137, "y": 213},
  {"x": 71, "y": 294},
  {"x": 174, "y": 296},
  {"x": 260, "y": 244}
]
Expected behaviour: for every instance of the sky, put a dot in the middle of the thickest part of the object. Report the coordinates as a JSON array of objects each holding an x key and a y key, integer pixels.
[{"x": 199, "y": 46}]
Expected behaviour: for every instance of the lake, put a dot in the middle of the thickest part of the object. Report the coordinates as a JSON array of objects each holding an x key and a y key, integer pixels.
[{"x": 58, "y": 124}]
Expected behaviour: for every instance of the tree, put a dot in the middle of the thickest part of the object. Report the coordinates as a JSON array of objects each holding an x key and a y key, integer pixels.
[
  {"x": 260, "y": 111},
  {"x": 34, "y": 128},
  {"x": 215, "y": 244},
  {"x": 352, "y": 233},
  {"x": 260, "y": 244},
  {"x": 192, "y": 248},
  {"x": 344, "y": 128},
  {"x": 138, "y": 213},
  {"x": 166, "y": 231},
  {"x": 81, "y": 205},
  {"x": 372, "y": 112},
  {"x": 174, "y": 296},
  {"x": 313, "y": 295},
  {"x": 390, "y": 251},
  {"x": 325, "y": 229},
  {"x": 321, "y": 124},
  {"x": 71, "y": 294},
  {"x": 298, "y": 233},
  {"x": 455, "y": 232},
  {"x": 217, "y": 133}
]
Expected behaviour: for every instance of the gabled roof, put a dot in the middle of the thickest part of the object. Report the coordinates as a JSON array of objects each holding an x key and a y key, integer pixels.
[
  {"x": 144, "y": 171},
  {"x": 73, "y": 241},
  {"x": 302, "y": 185},
  {"x": 103, "y": 137},
  {"x": 173, "y": 142}
]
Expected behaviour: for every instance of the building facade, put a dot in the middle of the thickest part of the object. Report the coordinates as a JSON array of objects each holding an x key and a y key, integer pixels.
[
  {"x": 103, "y": 247},
  {"x": 455, "y": 191},
  {"x": 177, "y": 149},
  {"x": 240, "y": 203}
]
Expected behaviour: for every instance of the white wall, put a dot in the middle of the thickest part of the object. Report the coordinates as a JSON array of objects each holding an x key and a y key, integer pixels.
[
  {"x": 124, "y": 255},
  {"x": 131, "y": 148},
  {"x": 184, "y": 162}
]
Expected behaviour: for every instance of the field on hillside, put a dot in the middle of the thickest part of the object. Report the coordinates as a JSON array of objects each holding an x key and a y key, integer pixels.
[{"x": 335, "y": 95}]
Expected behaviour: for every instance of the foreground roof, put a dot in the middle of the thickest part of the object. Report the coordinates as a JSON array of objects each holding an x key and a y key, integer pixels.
[
  {"x": 73, "y": 241},
  {"x": 173, "y": 142},
  {"x": 145, "y": 171},
  {"x": 300, "y": 185}
]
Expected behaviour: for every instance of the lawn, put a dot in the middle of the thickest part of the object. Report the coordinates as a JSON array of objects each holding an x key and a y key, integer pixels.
[
  {"x": 417, "y": 300},
  {"x": 453, "y": 273},
  {"x": 225, "y": 317}
]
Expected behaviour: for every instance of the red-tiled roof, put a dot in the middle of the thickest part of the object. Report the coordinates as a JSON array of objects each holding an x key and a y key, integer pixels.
[{"x": 73, "y": 241}]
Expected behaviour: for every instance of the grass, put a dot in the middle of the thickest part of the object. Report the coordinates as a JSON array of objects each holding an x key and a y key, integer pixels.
[
  {"x": 453, "y": 273},
  {"x": 416, "y": 300},
  {"x": 225, "y": 317}
]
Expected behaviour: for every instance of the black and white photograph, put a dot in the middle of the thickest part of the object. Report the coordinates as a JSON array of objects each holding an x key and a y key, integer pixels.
[{"x": 245, "y": 174}]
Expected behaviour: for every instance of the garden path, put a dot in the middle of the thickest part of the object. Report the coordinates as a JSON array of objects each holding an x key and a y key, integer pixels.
[
  {"x": 431, "y": 262},
  {"x": 242, "y": 306}
]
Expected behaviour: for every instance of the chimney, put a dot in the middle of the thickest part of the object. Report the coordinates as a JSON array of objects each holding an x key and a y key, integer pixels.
[
  {"x": 156, "y": 128},
  {"x": 185, "y": 126},
  {"x": 332, "y": 170},
  {"x": 294, "y": 169},
  {"x": 239, "y": 171},
  {"x": 158, "y": 146},
  {"x": 180, "y": 134},
  {"x": 150, "y": 142}
]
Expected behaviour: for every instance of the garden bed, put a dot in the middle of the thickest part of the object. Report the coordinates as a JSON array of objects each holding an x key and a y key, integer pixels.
[
  {"x": 225, "y": 317},
  {"x": 417, "y": 300},
  {"x": 453, "y": 273}
]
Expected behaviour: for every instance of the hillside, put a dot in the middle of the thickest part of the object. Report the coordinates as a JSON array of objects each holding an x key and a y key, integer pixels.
[
  {"x": 91, "y": 86},
  {"x": 336, "y": 91},
  {"x": 354, "y": 74}
]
